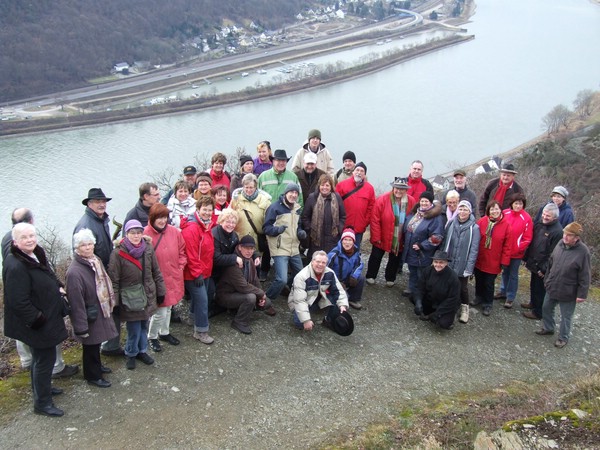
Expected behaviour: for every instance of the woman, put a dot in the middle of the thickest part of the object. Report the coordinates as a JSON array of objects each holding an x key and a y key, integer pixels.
[
  {"x": 387, "y": 223},
  {"x": 461, "y": 243},
  {"x": 139, "y": 287},
  {"x": 217, "y": 171},
  {"x": 264, "y": 160},
  {"x": 204, "y": 185},
  {"x": 559, "y": 198},
  {"x": 33, "y": 312},
  {"x": 92, "y": 300},
  {"x": 345, "y": 261},
  {"x": 450, "y": 208},
  {"x": 221, "y": 196},
  {"x": 199, "y": 248},
  {"x": 169, "y": 247},
  {"x": 246, "y": 167},
  {"x": 181, "y": 204},
  {"x": 423, "y": 232},
  {"x": 323, "y": 217},
  {"x": 494, "y": 252},
  {"x": 521, "y": 227}
]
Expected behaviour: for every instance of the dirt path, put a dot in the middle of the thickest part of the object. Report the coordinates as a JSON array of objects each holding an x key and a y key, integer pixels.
[{"x": 279, "y": 388}]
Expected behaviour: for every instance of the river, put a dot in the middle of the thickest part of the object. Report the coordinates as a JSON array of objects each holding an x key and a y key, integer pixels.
[{"x": 448, "y": 108}]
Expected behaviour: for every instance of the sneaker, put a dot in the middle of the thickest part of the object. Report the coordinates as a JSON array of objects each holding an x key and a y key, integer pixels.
[
  {"x": 203, "y": 337},
  {"x": 560, "y": 343},
  {"x": 464, "y": 314},
  {"x": 487, "y": 310},
  {"x": 169, "y": 338},
  {"x": 130, "y": 363},
  {"x": 371, "y": 281},
  {"x": 390, "y": 283},
  {"x": 155, "y": 345},
  {"x": 68, "y": 371},
  {"x": 508, "y": 304},
  {"x": 244, "y": 329},
  {"x": 145, "y": 358},
  {"x": 406, "y": 293},
  {"x": 117, "y": 352},
  {"x": 355, "y": 305}
]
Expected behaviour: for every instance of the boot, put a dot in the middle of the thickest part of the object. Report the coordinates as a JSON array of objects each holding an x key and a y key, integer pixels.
[
  {"x": 418, "y": 305},
  {"x": 464, "y": 313}
]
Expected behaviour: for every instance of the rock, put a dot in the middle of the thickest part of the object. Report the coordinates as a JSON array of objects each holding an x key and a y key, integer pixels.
[
  {"x": 579, "y": 413},
  {"x": 484, "y": 442}
]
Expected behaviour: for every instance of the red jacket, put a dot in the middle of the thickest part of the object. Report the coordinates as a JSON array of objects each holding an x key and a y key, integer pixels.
[
  {"x": 199, "y": 247},
  {"x": 416, "y": 186},
  {"x": 521, "y": 227},
  {"x": 359, "y": 205},
  {"x": 172, "y": 258},
  {"x": 382, "y": 222},
  {"x": 490, "y": 260},
  {"x": 224, "y": 179}
]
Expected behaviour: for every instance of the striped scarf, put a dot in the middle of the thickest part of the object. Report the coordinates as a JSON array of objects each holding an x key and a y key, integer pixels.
[
  {"x": 488, "y": 231},
  {"x": 399, "y": 209}
]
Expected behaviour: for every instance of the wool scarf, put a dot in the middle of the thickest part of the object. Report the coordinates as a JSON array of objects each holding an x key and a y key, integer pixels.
[
  {"x": 488, "y": 231},
  {"x": 318, "y": 217},
  {"x": 501, "y": 192},
  {"x": 134, "y": 250},
  {"x": 104, "y": 289},
  {"x": 399, "y": 209},
  {"x": 252, "y": 197}
]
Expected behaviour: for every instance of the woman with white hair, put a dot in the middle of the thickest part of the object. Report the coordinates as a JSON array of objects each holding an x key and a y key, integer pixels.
[{"x": 92, "y": 301}]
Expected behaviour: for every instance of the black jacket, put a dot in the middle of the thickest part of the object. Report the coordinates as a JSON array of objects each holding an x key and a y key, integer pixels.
[
  {"x": 99, "y": 227},
  {"x": 545, "y": 238}
]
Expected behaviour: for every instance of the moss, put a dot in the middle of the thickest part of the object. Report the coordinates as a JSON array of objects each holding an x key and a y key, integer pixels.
[{"x": 13, "y": 394}]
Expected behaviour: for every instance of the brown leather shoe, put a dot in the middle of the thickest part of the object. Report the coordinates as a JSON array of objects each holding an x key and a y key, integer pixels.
[
  {"x": 560, "y": 343},
  {"x": 499, "y": 296},
  {"x": 526, "y": 306},
  {"x": 270, "y": 311},
  {"x": 542, "y": 332},
  {"x": 530, "y": 315}
]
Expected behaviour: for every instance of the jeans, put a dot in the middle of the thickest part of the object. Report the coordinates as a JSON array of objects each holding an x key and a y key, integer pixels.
[
  {"x": 281, "y": 263},
  {"x": 198, "y": 304},
  {"x": 567, "y": 309},
  {"x": 331, "y": 313},
  {"x": 159, "y": 322},
  {"x": 484, "y": 287},
  {"x": 355, "y": 293},
  {"x": 42, "y": 361},
  {"x": 114, "y": 343},
  {"x": 414, "y": 275},
  {"x": 510, "y": 279},
  {"x": 358, "y": 239},
  {"x": 24, "y": 352},
  {"x": 391, "y": 269},
  {"x": 537, "y": 292},
  {"x": 137, "y": 337}
]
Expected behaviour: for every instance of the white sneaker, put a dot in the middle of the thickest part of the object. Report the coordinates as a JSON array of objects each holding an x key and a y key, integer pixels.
[
  {"x": 355, "y": 305},
  {"x": 370, "y": 281},
  {"x": 203, "y": 337},
  {"x": 464, "y": 314},
  {"x": 390, "y": 283}
]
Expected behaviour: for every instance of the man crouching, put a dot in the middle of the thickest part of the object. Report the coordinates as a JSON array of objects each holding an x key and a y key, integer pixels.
[{"x": 316, "y": 287}]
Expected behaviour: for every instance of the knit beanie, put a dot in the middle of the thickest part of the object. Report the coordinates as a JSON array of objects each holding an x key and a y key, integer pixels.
[
  {"x": 349, "y": 155},
  {"x": 466, "y": 204},
  {"x": 560, "y": 190},
  {"x": 291, "y": 187},
  {"x": 247, "y": 241},
  {"x": 349, "y": 233},
  {"x": 574, "y": 228},
  {"x": 244, "y": 159},
  {"x": 361, "y": 164},
  {"x": 131, "y": 224},
  {"x": 428, "y": 195},
  {"x": 314, "y": 133}
]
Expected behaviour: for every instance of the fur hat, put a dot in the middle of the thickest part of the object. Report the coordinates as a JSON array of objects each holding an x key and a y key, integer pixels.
[
  {"x": 349, "y": 155},
  {"x": 574, "y": 228},
  {"x": 314, "y": 133},
  {"x": 426, "y": 194}
]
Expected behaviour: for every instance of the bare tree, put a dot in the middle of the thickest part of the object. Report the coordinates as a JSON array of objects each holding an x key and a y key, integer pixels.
[
  {"x": 163, "y": 179},
  {"x": 583, "y": 103},
  {"x": 57, "y": 250},
  {"x": 557, "y": 117}
]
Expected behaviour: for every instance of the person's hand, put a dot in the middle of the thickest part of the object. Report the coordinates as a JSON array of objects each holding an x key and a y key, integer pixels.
[
  {"x": 308, "y": 325},
  {"x": 281, "y": 229},
  {"x": 416, "y": 247},
  {"x": 257, "y": 261},
  {"x": 342, "y": 309},
  {"x": 261, "y": 302},
  {"x": 62, "y": 290},
  {"x": 199, "y": 281},
  {"x": 352, "y": 282},
  {"x": 240, "y": 262},
  {"x": 580, "y": 300},
  {"x": 301, "y": 234},
  {"x": 160, "y": 299},
  {"x": 540, "y": 274},
  {"x": 86, "y": 335}
]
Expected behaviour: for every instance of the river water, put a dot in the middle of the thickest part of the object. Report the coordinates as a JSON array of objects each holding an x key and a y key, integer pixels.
[{"x": 447, "y": 109}]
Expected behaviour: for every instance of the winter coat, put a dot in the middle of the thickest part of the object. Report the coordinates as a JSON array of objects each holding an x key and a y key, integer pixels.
[
  {"x": 382, "y": 222},
  {"x": 359, "y": 205},
  {"x": 274, "y": 183},
  {"x": 81, "y": 290},
  {"x": 199, "y": 247},
  {"x": 416, "y": 186},
  {"x": 306, "y": 288},
  {"x": 462, "y": 244},
  {"x": 569, "y": 272},
  {"x": 324, "y": 159},
  {"x": 343, "y": 265},
  {"x": 224, "y": 255},
  {"x": 308, "y": 183},
  {"x": 565, "y": 214},
  {"x": 490, "y": 260},
  {"x": 33, "y": 308},
  {"x": 233, "y": 282},
  {"x": 465, "y": 194},
  {"x": 490, "y": 191},
  {"x": 124, "y": 273},
  {"x": 279, "y": 214},
  {"x": 327, "y": 240},
  {"x": 260, "y": 167},
  {"x": 218, "y": 209},
  {"x": 428, "y": 236},
  {"x": 172, "y": 258},
  {"x": 439, "y": 291},
  {"x": 521, "y": 227},
  {"x": 545, "y": 238},
  {"x": 138, "y": 212},
  {"x": 255, "y": 209},
  {"x": 224, "y": 179},
  {"x": 99, "y": 228},
  {"x": 179, "y": 210}
]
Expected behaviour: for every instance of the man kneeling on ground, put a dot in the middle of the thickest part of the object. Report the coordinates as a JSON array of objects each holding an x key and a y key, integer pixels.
[
  {"x": 316, "y": 287},
  {"x": 239, "y": 288},
  {"x": 438, "y": 295}
]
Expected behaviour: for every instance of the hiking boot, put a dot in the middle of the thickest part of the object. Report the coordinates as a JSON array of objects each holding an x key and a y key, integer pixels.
[
  {"x": 560, "y": 343},
  {"x": 155, "y": 345},
  {"x": 203, "y": 337},
  {"x": 169, "y": 338},
  {"x": 543, "y": 332},
  {"x": 499, "y": 296},
  {"x": 390, "y": 283},
  {"x": 145, "y": 358},
  {"x": 270, "y": 311},
  {"x": 530, "y": 315},
  {"x": 371, "y": 281},
  {"x": 244, "y": 329},
  {"x": 487, "y": 310},
  {"x": 355, "y": 305},
  {"x": 526, "y": 306},
  {"x": 68, "y": 371},
  {"x": 464, "y": 314},
  {"x": 130, "y": 364}
]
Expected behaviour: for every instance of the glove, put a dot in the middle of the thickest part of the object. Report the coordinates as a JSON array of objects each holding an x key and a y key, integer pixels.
[
  {"x": 281, "y": 229},
  {"x": 199, "y": 281},
  {"x": 352, "y": 282},
  {"x": 301, "y": 234},
  {"x": 160, "y": 299}
]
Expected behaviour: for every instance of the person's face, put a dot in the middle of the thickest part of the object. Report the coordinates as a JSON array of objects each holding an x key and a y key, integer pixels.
[
  {"x": 557, "y": 199},
  {"x": 205, "y": 212},
  {"x": 314, "y": 142},
  {"x": 398, "y": 193},
  {"x": 359, "y": 173},
  {"x": 229, "y": 224},
  {"x": 204, "y": 187},
  {"x": 135, "y": 235},
  {"x": 349, "y": 165},
  {"x": 460, "y": 181},
  {"x": 182, "y": 194},
  {"x": 495, "y": 212},
  {"x": 263, "y": 153},
  {"x": 347, "y": 243},
  {"x": 291, "y": 197},
  {"x": 26, "y": 241},
  {"x": 325, "y": 188},
  {"x": 153, "y": 197},
  {"x": 507, "y": 178},
  {"x": 416, "y": 170},
  {"x": 190, "y": 179},
  {"x": 98, "y": 206},
  {"x": 424, "y": 203},
  {"x": 279, "y": 164},
  {"x": 161, "y": 222},
  {"x": 246, "y": 251},
  {"x": 309, "y": 167},
  {"x": 439, "y": 264},
  {"x": 547, "y": 217},
  {"x": 249, "y": 189},
  {"x": 319, "y": 263},
  {"x": 221, "y": 197},
  {"x": 570, "y": 239},
  {"x": 218, "y": 166},
  {"x": 463, "y": 213},
  {"x": 452, "y": 203},
  {"x": 86, "y": 249},
  {"x": 517, "y": 206},
  {"x": 248, "y": 167}
]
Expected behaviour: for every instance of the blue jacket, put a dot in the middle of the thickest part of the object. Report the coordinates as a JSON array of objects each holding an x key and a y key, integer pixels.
[
  {"x": 428, "y": 236},
  {"x": 343, "y": 265},
  {"x": 565, "y": 214}
]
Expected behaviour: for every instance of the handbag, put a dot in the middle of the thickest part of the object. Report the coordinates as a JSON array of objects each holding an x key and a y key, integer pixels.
[
  {"x": 66, "y": 306},
  {"x": 92, "y": 313},
  {"x": 262, "y": 243},
  {"x": 133, "y": 298}
]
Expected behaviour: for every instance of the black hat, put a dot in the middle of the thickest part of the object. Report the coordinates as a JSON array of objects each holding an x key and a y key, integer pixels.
[
  {"x": 361, "y": 164},
  {"x": 95, "y": 194},
  {"x": 426, "y": 194},
  {"x": 244, "y": 159},
  {"x": 189, "y": 170},
  {"x": 441, "y": 255},
  {"x": 508, "y": 168},
  {"x": 247, "y": 241},
  {"x": 343, "y": 323},
  {"x": 349, "y": 155},
  {"x": 280, "y": 154},
  {"x": 400, "y": 183}
]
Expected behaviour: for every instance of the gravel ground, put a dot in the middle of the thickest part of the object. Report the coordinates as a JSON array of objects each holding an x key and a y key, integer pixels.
[{"x": 281, "y": 388}]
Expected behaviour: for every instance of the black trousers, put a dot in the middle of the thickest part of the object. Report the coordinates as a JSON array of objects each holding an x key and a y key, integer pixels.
[
  {"x": 391, "y": 269},
  {"x": 484, "y": 287},
  {"x": 42, "y": 363},
  {"x": 91, "y": 362}
]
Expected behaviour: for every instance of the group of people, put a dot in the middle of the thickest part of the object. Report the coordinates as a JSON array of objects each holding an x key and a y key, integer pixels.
[{"x": 216, "y": 237}]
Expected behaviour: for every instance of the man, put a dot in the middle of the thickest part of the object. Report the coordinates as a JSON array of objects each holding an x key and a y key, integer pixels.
[
  {"x": 316, "y": 287},
  {"x": 217, "y": 171},
  {"x": 501, "y": 189},
  {"x": 437, "y": 298},
  {"x": 349, "y": 162},
  {"x": 359, "y": 197},
  {"x": 275, "y": 180},
  {"x": 567, "y": 282},
  {"x": 309, "y": 176},
  {"x": 547, "y": 233},
  {"x": 149, "y": 195},
  {"x": 315, "y": 146},
  {"x": 189, "y": 176},
  {"x": 460, "y": 186},
  {"x": 284, "y": 233},
  {"x": 239, "y": 288},
  {"x": 416, "y": 183},
  {"x": 60, "y": 369}
]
